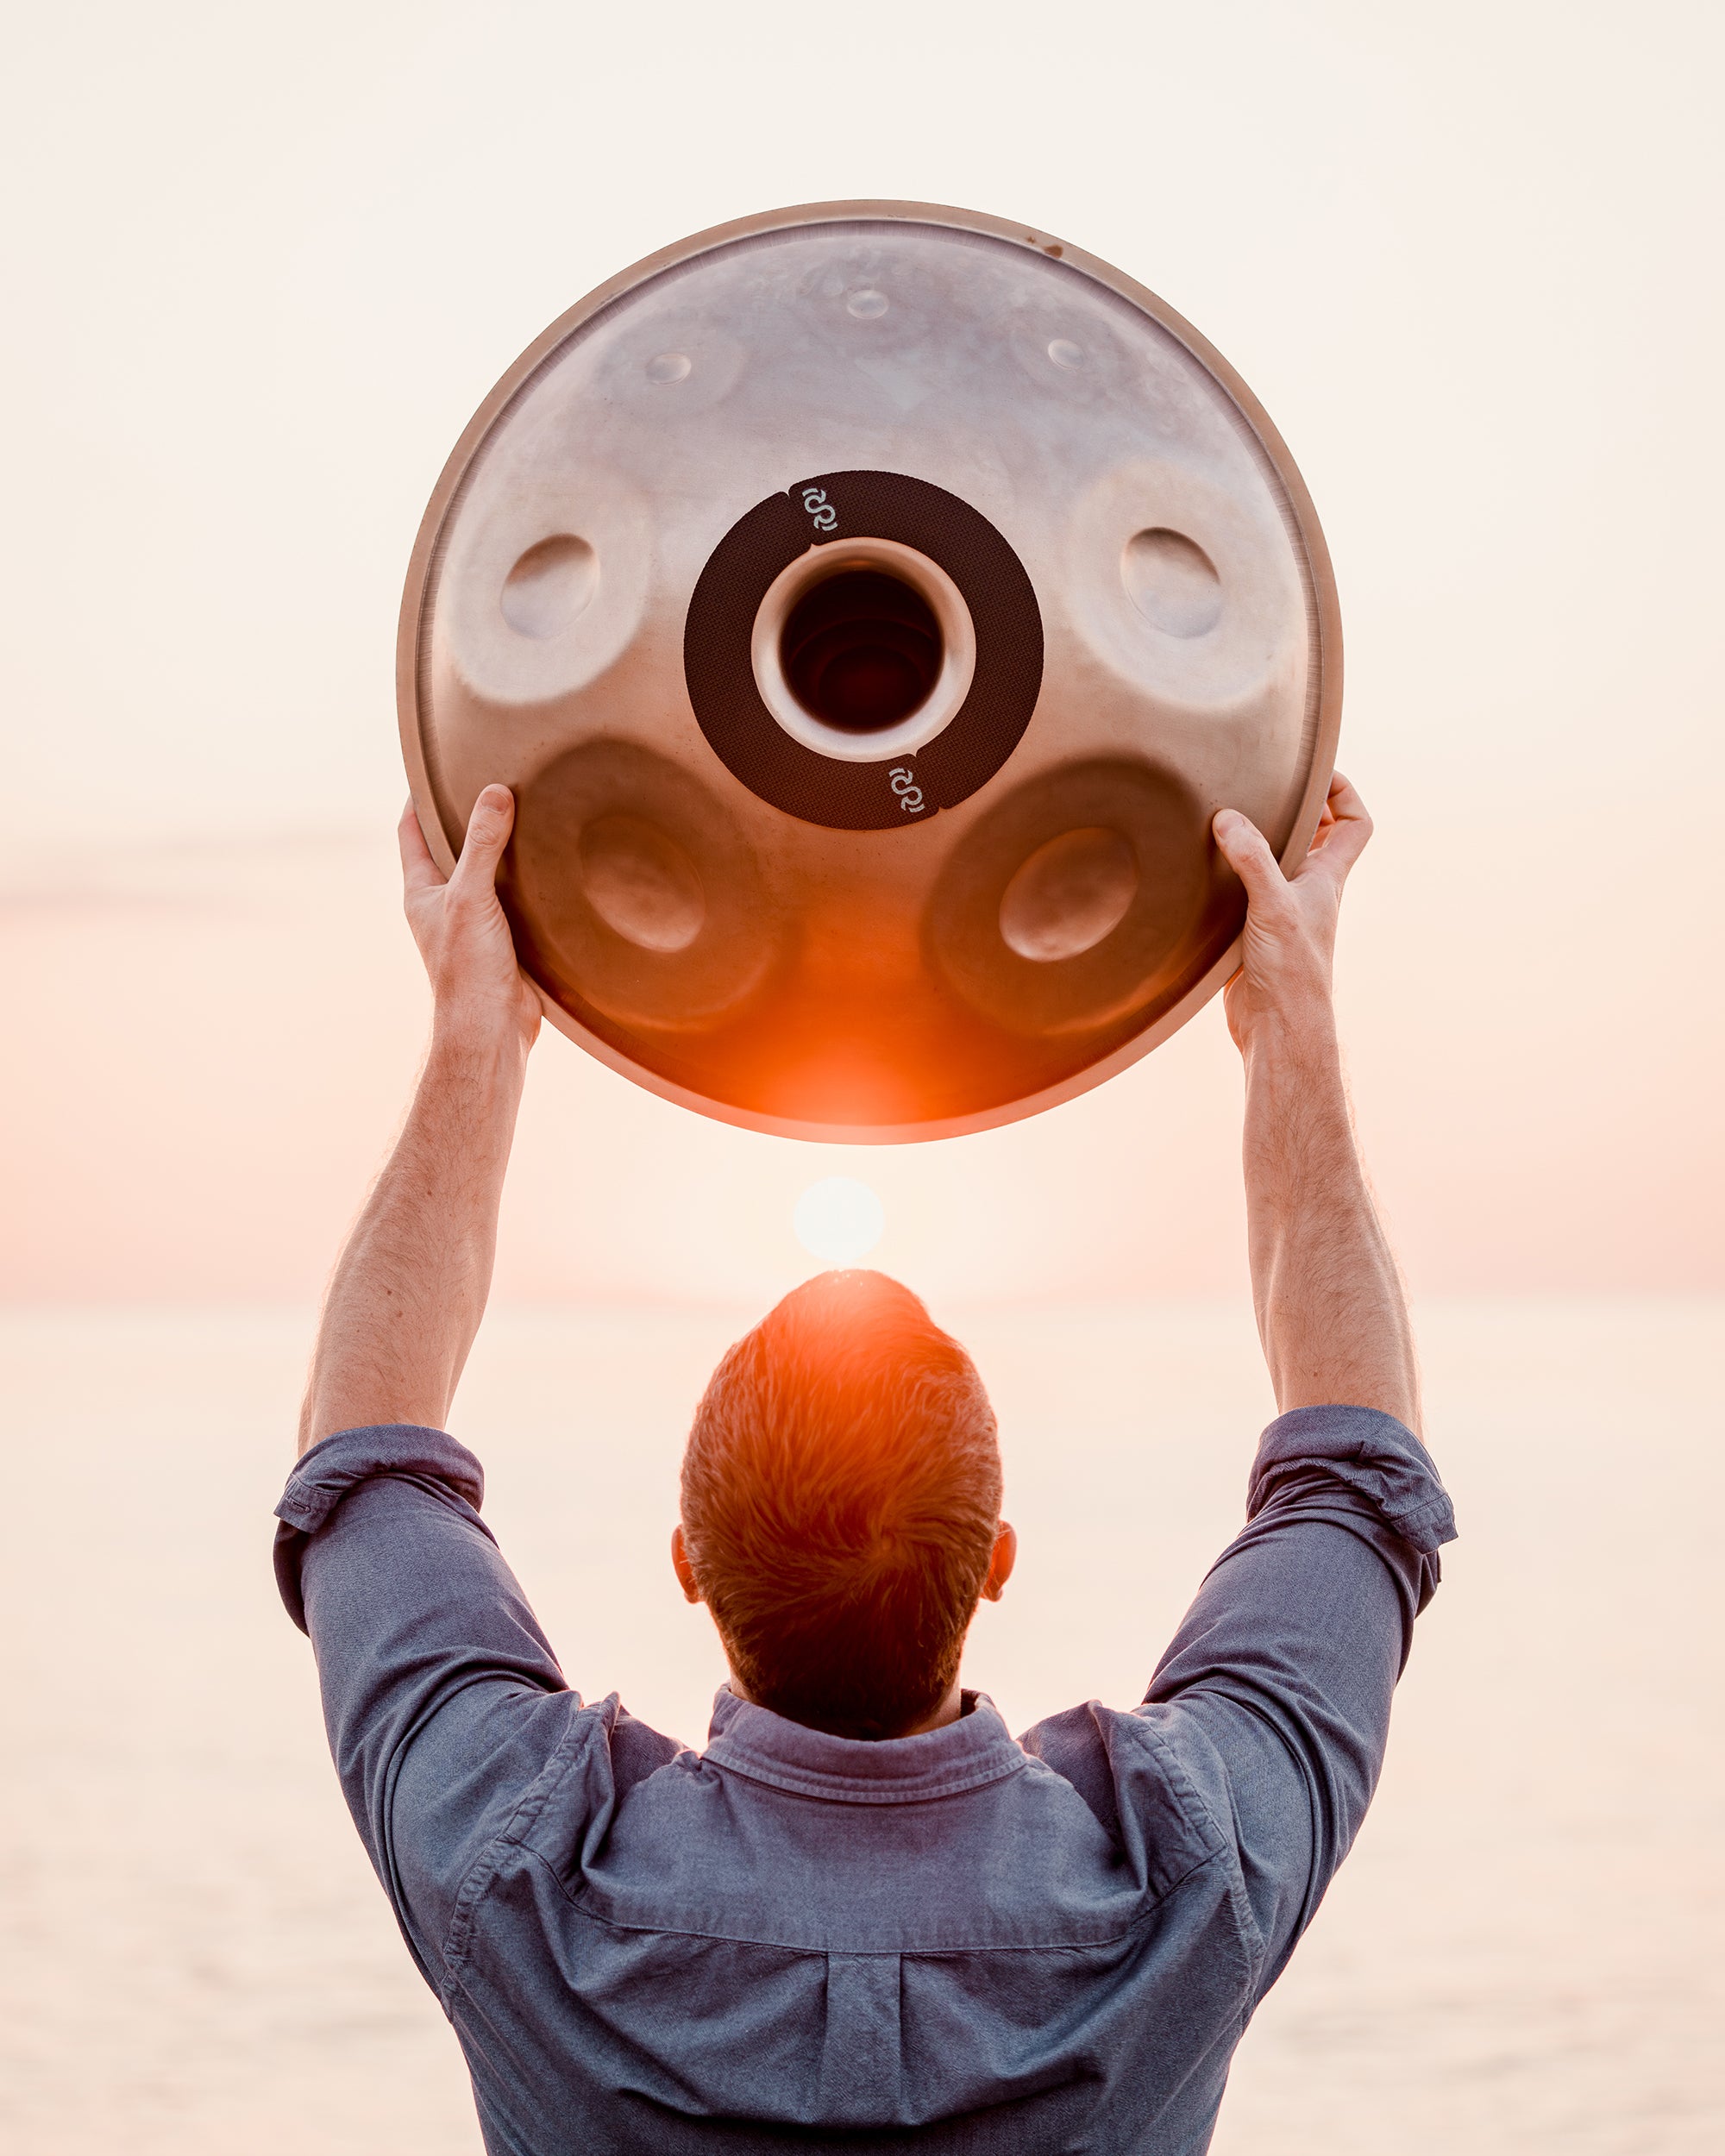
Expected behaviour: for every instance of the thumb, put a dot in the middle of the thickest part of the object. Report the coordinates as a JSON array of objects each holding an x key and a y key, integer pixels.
[
  {"x": 1246, "y": 851},
  {"x": 488, "y": 829}
]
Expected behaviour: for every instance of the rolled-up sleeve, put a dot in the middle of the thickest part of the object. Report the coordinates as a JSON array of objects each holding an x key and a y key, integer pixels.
[
  {"x": 442, "y": 1696},
  {"x": 1286, "y": 1663}
]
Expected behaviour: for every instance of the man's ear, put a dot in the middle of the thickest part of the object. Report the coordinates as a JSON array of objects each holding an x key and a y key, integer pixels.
[
  {"x": 679, "y": 1564},
  {"x": 1001, "y": 1562}
]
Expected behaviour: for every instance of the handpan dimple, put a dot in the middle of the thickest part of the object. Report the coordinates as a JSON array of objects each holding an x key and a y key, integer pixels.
[
  {"x": 632, "y": 894},
  {"x": 1172, "y": 582},
  {"x": 870, "y": 605},
  {"x": 549, "y": 586},
  {"x": 1076, "y": 900},
  {"x": 640, "y": 883},
  {"x": 1072, "y": 891}
]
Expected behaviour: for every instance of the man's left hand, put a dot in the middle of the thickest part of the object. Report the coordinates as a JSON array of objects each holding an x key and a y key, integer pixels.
[{"x": 477, "y": 985}]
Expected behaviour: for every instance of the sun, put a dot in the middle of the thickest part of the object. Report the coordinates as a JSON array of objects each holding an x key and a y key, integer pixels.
[{"x": 839, "y": 1219}]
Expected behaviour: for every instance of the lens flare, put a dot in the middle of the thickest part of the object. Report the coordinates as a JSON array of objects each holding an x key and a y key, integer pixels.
[{"x": 839, "y": 1219}]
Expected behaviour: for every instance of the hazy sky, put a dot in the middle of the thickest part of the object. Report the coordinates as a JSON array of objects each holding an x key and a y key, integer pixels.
[{"x": 262, "y": 264}]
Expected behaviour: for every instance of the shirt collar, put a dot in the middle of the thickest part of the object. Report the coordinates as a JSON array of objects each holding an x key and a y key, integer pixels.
[{"x": 966, "y": 1754}]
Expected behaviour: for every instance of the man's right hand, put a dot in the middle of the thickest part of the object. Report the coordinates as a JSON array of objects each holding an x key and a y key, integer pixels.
[
  {"x": 1287, "y": 950},
  {"x": 1330, "y": 1303}
]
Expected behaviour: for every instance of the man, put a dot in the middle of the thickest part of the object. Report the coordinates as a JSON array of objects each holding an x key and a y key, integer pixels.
[{"x": 865, "y": 1914}]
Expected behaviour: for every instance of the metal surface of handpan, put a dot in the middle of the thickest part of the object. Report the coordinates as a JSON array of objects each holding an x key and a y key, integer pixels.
[{"x": 869, "y": 604}]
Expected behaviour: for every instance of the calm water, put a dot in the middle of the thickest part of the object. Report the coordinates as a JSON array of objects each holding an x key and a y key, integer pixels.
[{"x": 1522, "y": 1954}]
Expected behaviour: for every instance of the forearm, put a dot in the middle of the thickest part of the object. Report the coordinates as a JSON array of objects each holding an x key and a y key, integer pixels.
[
  {"x": 410, "y": 1289},
  {"x": 1330, "y": 1309}
]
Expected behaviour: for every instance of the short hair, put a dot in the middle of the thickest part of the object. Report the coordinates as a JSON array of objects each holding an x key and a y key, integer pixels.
[{"x": 840, "y": 1496}]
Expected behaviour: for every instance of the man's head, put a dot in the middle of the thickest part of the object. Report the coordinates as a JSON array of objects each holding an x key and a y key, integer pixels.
[{"x": 841, "y": 1507}]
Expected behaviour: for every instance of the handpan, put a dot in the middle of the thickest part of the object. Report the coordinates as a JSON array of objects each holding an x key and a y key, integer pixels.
[{"x": 870, "y": 604}]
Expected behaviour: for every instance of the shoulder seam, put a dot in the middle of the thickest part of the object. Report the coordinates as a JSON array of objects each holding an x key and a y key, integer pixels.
[
  {"x": 483, "y": 1870},
  {"x": 1198, "y": 1814}
]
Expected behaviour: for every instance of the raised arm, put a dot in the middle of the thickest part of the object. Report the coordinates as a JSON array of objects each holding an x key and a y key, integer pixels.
[
  {"x": 442, "y": 1696},
  {"x": 1276, "y": 1691},
  {"x": 410, "y": 1288},
  {"x": 1331, "y": 1310}
]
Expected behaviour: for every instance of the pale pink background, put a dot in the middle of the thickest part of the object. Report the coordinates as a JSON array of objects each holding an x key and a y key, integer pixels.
[
  {"x": 260, "y": 263},
  {"x": 265, "y": 261}
]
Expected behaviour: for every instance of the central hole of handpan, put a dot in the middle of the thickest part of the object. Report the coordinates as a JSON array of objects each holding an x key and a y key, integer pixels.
[{"x": 861, "y": 650}]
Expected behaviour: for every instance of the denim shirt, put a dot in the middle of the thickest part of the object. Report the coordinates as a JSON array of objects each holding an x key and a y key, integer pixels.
[{"x": 954, "y": 1942}]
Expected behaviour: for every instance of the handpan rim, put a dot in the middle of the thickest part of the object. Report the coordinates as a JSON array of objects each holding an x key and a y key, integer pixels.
[{"x": 1325, "y": 626}]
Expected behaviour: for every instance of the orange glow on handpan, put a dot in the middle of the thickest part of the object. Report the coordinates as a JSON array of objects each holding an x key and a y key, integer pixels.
[{"x": 839, "y": 1219}]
